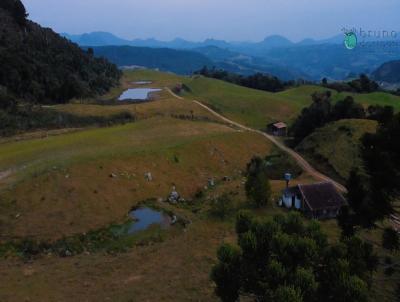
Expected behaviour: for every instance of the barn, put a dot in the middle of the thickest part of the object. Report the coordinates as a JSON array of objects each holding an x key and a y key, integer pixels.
[
  {"x": 319, "y": 200},
  {"x": 277, "y": 129}
]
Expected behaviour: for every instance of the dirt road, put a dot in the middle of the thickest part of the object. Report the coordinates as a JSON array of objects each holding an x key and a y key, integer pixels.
[
  {"x": 296, "y": 156},
  {"x": 299, "y": 159}
]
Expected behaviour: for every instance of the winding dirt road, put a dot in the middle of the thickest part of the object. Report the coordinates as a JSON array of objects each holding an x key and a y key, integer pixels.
[{"x": 306, "y": 166}]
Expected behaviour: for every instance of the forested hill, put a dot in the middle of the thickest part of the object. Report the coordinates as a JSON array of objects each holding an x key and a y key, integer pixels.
[
  {"x": 39, "y": 66},
  {"x": 388, "y": 72},
  {"x": 165, "y": 59}
]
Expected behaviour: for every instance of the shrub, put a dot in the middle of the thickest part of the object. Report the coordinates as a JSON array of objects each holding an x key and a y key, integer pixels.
[{"x": 222, "y": 206}]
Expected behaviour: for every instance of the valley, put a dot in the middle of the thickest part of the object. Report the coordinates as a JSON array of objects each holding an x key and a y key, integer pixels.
[
  {"x": 246, "y": 162},
  {"x": 59, "y": 186}
]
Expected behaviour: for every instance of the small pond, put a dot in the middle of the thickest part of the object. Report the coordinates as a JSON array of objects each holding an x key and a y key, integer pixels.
[
  {"x": 145, "y": 217},
  {"x": 136, "y": 94}
]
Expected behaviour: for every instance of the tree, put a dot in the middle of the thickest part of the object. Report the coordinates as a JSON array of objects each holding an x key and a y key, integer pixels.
[
  {"x": 286, "y": 259},
  {"x": 380, "y": 154},
  {"x": 346, "y": 222},
  {"x": 390, "y": 239},
  {"x": 358, "y": 196},
  {"x": 315, "y": 116},
  {"x": 225, "y": 273},
  {"x": 258, "y": 188},
  {"x": 382, "y": 114},
  {"x": 346, "y": 109}
]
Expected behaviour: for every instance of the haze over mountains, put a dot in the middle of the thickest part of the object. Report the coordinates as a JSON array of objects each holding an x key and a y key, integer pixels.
[
  {"x": 108, "y": 39},
  {"x": 308, "y": 59}
]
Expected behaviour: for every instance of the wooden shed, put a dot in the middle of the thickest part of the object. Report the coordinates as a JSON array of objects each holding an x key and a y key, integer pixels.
[{"x": 277, "y": 129}]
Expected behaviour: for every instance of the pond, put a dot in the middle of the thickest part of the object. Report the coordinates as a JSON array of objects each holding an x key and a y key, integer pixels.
[
  {"x": 135, "y": 94},
  {"x": 145, "y": 217}
]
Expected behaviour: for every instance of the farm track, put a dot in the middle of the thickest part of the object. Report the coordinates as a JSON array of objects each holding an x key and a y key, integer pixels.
[{"x": 305, "y": 165}]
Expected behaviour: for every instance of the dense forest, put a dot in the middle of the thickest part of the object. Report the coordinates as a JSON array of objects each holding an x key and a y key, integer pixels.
[{"x": 40, "y": 67}]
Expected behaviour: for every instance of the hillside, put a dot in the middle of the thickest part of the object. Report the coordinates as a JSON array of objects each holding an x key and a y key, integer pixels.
[
  {"x": 256, "y": 108},
  {"x": 37, "y": 65},
  {"x": 248, "y": 106},
  {"x": 334, "y": 148},
  {"x": 165, "y": 59},
  {"x": 239, "y": 63},
  {"x": 388, "y": 72},
  {"x": 65, "y": 196}
]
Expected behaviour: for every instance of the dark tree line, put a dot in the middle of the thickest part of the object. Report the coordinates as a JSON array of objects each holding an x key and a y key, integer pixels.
[
  {"x": 257, "y": 81},
  {"x": 361, "y": 85},
  {"x": 286, "y": 260},
  {"x": 322, "y": 111}
]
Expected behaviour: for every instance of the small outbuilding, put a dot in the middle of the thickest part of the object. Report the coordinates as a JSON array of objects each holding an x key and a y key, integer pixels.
[
  {"x": 319, "y": 201},
  {"x": 277, "y": 129}
]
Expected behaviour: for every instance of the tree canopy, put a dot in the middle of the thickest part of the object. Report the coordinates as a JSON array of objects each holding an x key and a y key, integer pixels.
[{"x": 284, "y": 259}]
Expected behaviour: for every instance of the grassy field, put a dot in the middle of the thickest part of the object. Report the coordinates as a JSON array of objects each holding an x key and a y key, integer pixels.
[
  {"x": 69, "y": 182},
  {"x": 335, "y": 147},
  {"x": 64, "y": 185},
  {"x": 252, "y": 107},
  {"x": 256, "y": 108}
]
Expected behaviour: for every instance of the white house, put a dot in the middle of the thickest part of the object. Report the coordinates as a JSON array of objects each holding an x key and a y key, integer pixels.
[{"x": 319, "y": 200}]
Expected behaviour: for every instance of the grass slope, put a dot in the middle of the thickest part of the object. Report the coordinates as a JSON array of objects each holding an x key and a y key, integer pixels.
[
  {"x": 335, "y": 147},
  {"x": 64, "y": 186},
  {"x": 252, "y": 107},
  {"x": 256, "y": 108}
]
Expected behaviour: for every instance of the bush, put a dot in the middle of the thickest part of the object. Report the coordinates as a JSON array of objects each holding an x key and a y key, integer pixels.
[{"x": 222, "y": 206}]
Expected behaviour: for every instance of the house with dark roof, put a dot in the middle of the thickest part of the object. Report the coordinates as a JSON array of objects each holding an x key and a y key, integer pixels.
[
  {"x": 277, "y": 129},
  {"x": 319, "y": 200}
]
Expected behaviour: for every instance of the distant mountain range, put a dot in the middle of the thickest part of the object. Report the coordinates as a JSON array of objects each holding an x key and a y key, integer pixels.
[
  {"x": 108, "y": 39},
  {"x": 276, "y": 55}
]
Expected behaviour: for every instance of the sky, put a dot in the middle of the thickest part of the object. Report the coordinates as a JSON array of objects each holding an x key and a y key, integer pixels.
[{"x": 231, "y": 20}]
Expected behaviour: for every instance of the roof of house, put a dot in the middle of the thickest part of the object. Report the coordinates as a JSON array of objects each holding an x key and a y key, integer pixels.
[
  {"x": 321, "y": 195},
  {"x": 278, "y": 125}
]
